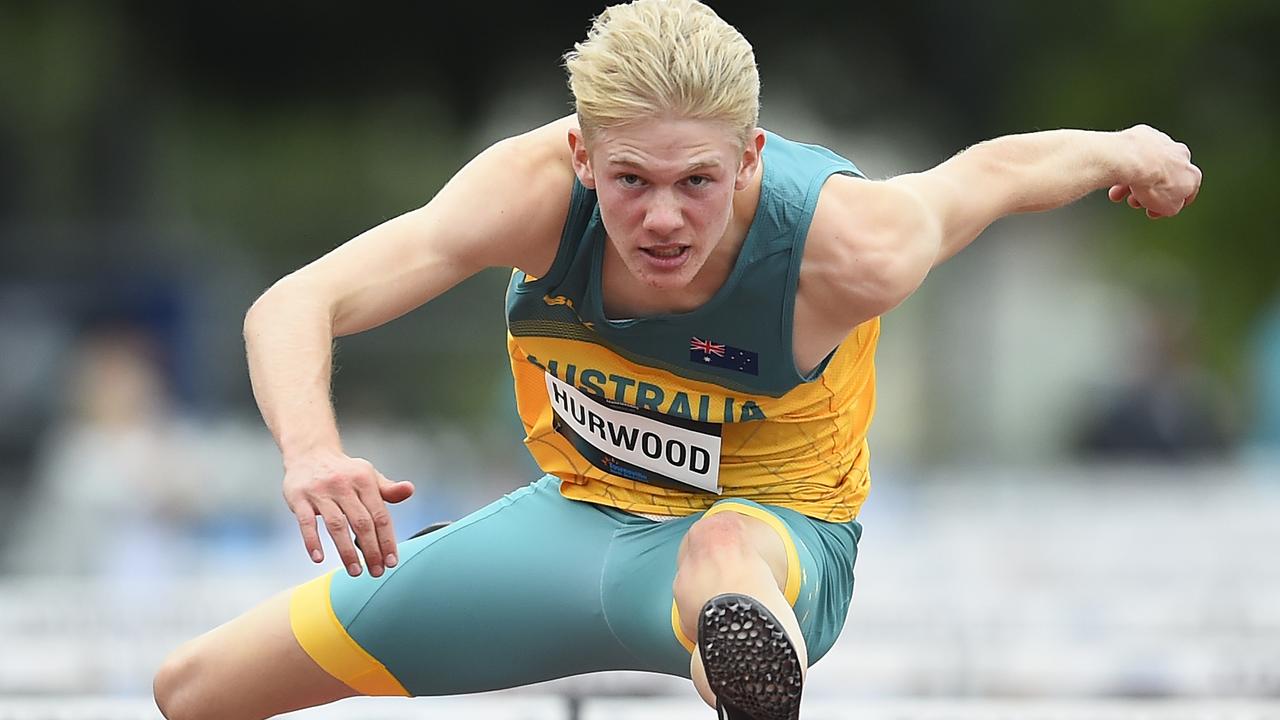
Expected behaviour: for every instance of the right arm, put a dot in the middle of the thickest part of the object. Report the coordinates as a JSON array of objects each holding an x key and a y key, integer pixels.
[{"x": 506, "y": 208}]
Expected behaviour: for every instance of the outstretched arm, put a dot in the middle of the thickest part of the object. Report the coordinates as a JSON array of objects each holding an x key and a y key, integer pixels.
[
  {"x": 1046, "y": 170},
  {"x": 872, "y": 243},
  {"x": 505, "y": 208}
]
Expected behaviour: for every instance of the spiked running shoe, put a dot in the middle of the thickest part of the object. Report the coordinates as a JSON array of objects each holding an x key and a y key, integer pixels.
[{"x": 751, "y": 664}]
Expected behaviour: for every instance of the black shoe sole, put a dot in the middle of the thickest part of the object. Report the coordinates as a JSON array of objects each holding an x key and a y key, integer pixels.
[
  {"x": 431, "y": 528},
  {"x": 751, "y": 664}
]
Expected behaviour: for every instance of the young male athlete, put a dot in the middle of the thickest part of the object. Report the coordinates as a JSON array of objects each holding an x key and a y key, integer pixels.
[{"x": 692, "y": 318}]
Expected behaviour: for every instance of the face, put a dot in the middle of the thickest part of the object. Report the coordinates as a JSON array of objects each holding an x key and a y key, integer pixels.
[{"x": 666, "y": 189}]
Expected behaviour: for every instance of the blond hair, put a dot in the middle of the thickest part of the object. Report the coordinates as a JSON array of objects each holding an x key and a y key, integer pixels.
[{"x": 657, "y": 58}]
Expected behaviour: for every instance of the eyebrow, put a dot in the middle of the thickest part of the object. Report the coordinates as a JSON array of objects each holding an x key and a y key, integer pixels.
[{"x": 631, "y": 161}]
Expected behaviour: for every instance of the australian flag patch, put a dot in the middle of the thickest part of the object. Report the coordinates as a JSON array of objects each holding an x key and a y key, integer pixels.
[{"x": 714, "y": 354}]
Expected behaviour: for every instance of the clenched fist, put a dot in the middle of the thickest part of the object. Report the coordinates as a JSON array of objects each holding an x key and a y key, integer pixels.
[{"x": 1164, "y": 178}]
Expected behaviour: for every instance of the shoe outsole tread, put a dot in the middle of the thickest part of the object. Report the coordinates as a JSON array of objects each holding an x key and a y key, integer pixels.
[{"x": 751, "y": 664}]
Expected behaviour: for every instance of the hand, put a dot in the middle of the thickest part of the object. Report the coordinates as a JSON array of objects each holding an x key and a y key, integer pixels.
[
  {"x": 351, "y": 495},
  {"x": 1166, "y": 180}
]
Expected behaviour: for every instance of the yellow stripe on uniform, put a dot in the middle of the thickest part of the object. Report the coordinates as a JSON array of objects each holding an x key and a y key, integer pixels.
[
  {"x": 675, "y": 628},
  {"x": 322, "y": 636},
  {"x": 790, "y": 590}
]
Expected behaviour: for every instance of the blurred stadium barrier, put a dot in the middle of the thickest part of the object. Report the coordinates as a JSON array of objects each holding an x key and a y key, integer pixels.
[
  {"x": 476, "y": 708},
  {"x": 532, "y": 708},
  {"x": 1069, "y": 583}
]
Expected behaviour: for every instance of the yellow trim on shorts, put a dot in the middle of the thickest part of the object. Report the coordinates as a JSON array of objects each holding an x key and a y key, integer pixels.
[
  {"x": 675, "y": 628},
  {"x": 790, "y": 590},
  {"x": 323, "y": 637}
]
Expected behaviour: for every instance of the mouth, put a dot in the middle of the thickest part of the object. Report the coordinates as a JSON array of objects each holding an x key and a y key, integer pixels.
[
  {"x": 665, "y": 252},
  {"x": 666, "y": 257}
]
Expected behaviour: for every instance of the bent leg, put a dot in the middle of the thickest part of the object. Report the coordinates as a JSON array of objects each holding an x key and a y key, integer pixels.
[
  {"x": 739, "y": 549},
  {"x": 251, "y": 667},
  {"x": 803, "y": 565}
]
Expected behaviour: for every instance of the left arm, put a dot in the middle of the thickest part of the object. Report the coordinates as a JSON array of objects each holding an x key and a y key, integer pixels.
[
  {"x": 1046, "y": 170},
  {"x": 871, "y": 244}
]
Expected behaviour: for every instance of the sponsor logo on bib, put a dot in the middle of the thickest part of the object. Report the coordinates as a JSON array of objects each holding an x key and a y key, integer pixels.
[{"x": 643, "y": 446}]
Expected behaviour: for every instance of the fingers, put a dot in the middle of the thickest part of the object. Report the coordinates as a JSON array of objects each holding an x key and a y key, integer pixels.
[
  {"x": 360, "y": 518},
  {"x": 1200, "y": 178},
  {"x": 394, "y": 492},
  {"x": 380, "y": 549},
  {"x": 1164, "y": 181},
  {"x": 1118, "y": 193},
  {"x": 351, "y": 496},
  {"x": 335, "y": 521},
  {"x": 1192, "y": 197},
  {"x": 1157, "y": 215},
  {"x": 306, "y": 516}
]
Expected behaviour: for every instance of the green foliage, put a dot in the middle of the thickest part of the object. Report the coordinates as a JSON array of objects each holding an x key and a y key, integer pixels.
[
  {"x": 1205, "y": 72},
  {"x": 289, "y": 183}
]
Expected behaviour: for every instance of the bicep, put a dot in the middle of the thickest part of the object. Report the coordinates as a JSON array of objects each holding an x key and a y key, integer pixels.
[
  {"x": 505, "y": 208},
  {"x": 870, "y": 246},
  {"x": 957, "y": 199}
]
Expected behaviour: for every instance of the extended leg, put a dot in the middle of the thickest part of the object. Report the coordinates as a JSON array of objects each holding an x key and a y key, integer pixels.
[
  {"x": 509, "y": 595},
  {"x": 249, "y": 668}
]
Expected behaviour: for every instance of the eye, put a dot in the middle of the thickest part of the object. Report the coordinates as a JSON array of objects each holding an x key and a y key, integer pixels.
[
  {"x": 630, "y": 180},
  {"x": 698, "y": 180}
]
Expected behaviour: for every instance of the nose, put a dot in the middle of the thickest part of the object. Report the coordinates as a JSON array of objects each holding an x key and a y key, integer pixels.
[{"x": 664, "y": 215}]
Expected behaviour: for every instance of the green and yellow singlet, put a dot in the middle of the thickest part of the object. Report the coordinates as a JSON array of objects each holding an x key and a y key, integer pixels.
[{"x": 668, "y": 414}]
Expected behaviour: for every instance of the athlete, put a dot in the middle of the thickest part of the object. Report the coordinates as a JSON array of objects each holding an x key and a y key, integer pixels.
[{"x": 692, "y": 316}]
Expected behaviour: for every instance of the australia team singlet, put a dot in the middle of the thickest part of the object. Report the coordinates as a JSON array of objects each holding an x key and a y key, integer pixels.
[{"x": 667, "y": 414}]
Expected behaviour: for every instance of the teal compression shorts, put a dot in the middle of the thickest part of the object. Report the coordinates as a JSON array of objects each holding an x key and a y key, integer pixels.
[{"x": 535, "y": 587}]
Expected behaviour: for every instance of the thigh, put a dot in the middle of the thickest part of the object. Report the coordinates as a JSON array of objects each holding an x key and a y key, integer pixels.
[
  {"x": 826, "y": 552},
  {"x": 637, "y": 589},
  {"x": 507, "y": 596},
  {"x": 250, "y": 667}
]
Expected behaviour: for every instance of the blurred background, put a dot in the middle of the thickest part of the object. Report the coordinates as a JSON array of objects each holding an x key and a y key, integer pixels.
[{"x": 1077, "y": 449}]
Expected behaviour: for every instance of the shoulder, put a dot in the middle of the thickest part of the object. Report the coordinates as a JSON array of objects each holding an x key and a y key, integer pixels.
[
  {"x": 867, "y": 248},
  {"x": 541, "y": 153},
  {"x": 507, "y": 206}
]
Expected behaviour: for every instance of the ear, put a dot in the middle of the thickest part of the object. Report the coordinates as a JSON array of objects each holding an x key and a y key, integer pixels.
[
  {"x": 581, "y": 158},
  {"x": 750, "y": 160}
]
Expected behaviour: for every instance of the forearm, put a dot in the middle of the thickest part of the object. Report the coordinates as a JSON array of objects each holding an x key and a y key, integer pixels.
[
  {"x": 1041, "y": 171},
  {"x": 1014, "y": 174},
  {"x": 288, "y": 340}
]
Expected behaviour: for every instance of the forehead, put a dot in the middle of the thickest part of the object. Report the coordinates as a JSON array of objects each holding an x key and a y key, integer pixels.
[{"x": 660, "y": 143}]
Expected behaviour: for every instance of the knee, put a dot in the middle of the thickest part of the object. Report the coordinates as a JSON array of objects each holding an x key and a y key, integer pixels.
[
  {"x": 716, "y": 539},
  {"x": 730, "y": 544},
  {"x": 174, "y": 686}
]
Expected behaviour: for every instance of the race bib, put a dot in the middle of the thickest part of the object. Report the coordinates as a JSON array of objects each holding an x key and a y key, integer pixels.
[{"x": 639, "y": 445}]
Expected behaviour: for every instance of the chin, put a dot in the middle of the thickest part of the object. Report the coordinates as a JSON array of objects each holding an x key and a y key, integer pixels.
[
  {"x": 675, "y": 279},
  {"x": 666, "y": 282}
]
